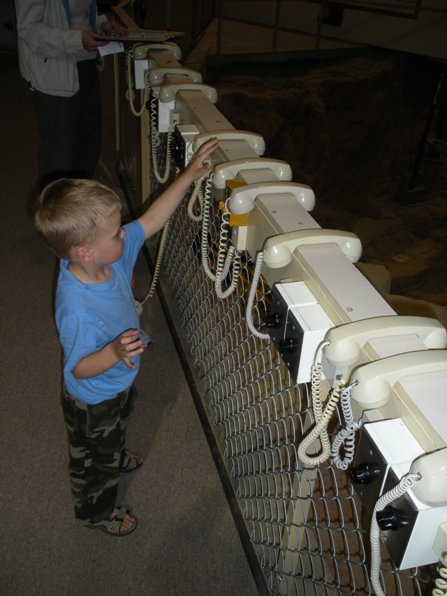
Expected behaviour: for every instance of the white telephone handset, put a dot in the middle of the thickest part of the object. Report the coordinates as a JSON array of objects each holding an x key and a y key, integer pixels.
[
  {"x": 254, "y": 140},
  {"x": 346, "y": 341},
  {"x": 140, "y": 52},
  {"x": 231, "y": 169},
  {"x": 169, "y": 92},
  {"x": 432, "y": 487},
  {"x": 278, "y": 250},
  {"x": 157, "y": 75},
  {"x": 375, "y": 380},
  {"x": 242, "y": 198}
]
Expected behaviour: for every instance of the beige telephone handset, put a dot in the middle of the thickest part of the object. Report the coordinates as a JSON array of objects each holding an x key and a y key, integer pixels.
[
  {"x": 157, "y": 75},
  {"x": 375, "y": 380},
  {"x": 169, "y": 92},
  {"x": 231, "y": 169},
  {"x": 242, "y": 199},
  {"x": 140, "y": 52},
  {"x": 432, "y": 487},
  {"x": 142, "y": 63},
  {"x": 254, "y": 140},
  {"x": 278, "y": 250},
  {"x": 346, "y": 341}
]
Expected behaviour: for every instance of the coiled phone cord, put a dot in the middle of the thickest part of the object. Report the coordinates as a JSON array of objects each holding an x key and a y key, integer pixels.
[
  {"x": 205, "y": 227},
  {"x": 346, "y": 435},
  {"x": 196, "y": 196},
  {"x": 204, "y": 248},
  {"x": 157, "y": 268},
  {"x": 251, "y": 298},
  {"x": 130, "y": 95},
  {"x": 154, "y": 142},
  {"x": 322, "y": 417},
  {"x": 225, "y": 256},
  {"x": 441, "y": 581}
]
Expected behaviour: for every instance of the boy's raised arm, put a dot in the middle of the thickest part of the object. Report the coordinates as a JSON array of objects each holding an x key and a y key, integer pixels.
[{"x": 164, "y": 206}]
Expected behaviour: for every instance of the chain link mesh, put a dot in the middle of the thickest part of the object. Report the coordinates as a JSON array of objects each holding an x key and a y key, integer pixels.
[{"x": 305, "y": 525}]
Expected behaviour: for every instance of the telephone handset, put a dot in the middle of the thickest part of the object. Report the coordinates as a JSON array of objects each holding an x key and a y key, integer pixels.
[
  {"x": 278, "y": 250},
  {"x": 242, "y": 198},
  {"x": 169, "y": 92},
  {"x": 431, "y": 489},
  {"x": 143, "y": 62},
  {"x": 254, "y": 140},
  {"x": 157, "y": 75},
  {"x": 346, "y": 341},
  {"x": 230, "y": 169},
  {"x": 141, "y": 51},
  {"x": 375, "y": 380}
]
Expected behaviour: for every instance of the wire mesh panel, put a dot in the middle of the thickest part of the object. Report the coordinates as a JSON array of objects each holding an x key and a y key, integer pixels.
[{"x": 305, "y": 524}]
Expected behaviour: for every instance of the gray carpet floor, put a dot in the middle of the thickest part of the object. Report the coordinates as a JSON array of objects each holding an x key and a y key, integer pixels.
[{"x": 186, "y": 542}]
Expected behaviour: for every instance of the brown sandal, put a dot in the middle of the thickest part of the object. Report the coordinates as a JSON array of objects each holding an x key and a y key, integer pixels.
[
  {"x": 112, "y": 525},
  {"x": 134, "y": 461}
]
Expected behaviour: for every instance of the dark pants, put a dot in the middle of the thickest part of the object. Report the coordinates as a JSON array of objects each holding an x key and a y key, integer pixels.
[
  {"x": 70, "y": 129},
  {"x": 96, "y": 440}
]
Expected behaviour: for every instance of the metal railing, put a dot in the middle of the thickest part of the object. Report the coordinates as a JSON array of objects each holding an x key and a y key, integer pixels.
[{"x": 305, "y": 524}]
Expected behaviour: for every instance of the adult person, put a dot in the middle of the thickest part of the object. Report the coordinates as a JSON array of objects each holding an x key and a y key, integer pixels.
[{"x": 58, "y": 43}]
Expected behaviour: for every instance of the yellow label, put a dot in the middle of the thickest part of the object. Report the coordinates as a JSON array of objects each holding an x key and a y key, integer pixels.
[
  {"x": 239, "y": 220},
  {"x": 232, "y": 184}
]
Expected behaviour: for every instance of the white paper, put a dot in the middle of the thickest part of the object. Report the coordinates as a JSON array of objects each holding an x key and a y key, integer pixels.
[{"x": 114, "y": 47}]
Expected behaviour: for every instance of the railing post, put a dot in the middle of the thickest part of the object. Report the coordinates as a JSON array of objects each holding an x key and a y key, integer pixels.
[
  {"x": 219, "y": 26},
  {"x": 276, "y": 25}
]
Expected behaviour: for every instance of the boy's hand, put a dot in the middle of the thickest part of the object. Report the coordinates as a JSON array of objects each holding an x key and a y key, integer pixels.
[
  {"x": 198, "y": 167},
  {"x": 126, "y": 346},
  {"x": 162, "y": 208}
]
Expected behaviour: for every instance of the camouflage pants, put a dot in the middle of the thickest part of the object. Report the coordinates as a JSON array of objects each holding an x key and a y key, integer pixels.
[{"x": 96, "y": 439}]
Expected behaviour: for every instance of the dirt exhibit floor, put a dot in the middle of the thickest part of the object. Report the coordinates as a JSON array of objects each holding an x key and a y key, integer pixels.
[{"x": 353, "y": 129}]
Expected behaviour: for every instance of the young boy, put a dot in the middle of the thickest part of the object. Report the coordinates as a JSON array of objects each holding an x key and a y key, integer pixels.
[{"x": 98, "y": 328}]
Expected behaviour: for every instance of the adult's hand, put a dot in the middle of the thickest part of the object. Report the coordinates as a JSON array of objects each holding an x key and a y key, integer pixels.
[
  {"x": 92, "y": 41},
  {"x": 113, "y": 28}
]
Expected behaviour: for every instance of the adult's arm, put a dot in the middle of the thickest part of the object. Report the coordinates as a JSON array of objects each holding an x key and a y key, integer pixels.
[{"x": 49, "y": 41}]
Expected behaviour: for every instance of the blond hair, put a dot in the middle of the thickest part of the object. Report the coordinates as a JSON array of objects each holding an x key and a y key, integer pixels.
[{"x": 68, "y": 212}]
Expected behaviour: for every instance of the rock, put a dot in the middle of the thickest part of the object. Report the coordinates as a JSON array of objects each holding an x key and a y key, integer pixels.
[
  {"x": 409, "y": 306},
  {"x": 351, "y": 129}
]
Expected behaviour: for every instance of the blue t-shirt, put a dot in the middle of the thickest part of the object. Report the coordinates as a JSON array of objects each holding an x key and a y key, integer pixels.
[{"x": 89, "y": 316}]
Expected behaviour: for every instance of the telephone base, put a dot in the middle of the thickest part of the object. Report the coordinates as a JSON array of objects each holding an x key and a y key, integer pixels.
[
  {"x": 382, "y": 443},
  {"x": 182, "y": 142},
  {"x": 301, "y": 326},
  {"x": 140, "y": 68},
  {"x": 412, "y": 545},
  {"x": 388, "y": 447}
]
